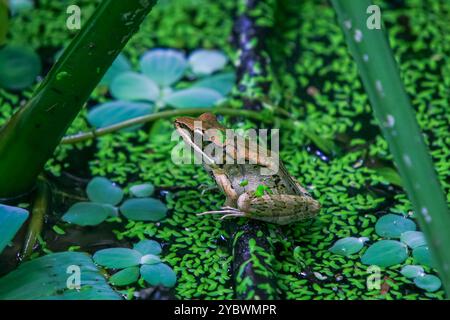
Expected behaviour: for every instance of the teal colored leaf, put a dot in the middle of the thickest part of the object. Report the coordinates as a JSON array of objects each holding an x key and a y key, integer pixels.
[
  {"x": 410, "y": 271},
  {"x": 86, "y": 214},
  {"x": 132, "y": 86},
  {"x": 46, "y": 278},
  {"x": 117, "y": 258},
  {"x": 348, "y": 246},
  {"x": 163, "y": 66},
  {"x": 19, "y": 67},
  {"x": 148, "y": 247},
  {"x": 110, "y": 113},
  {"x": 112, "y": 210},
  {"x": 413, "y": 239},
  {"x": 222, "y": 82},
  {"x": 11, "y": 219},
  {"x": 18, "y": 6},
  {"x": 150, "y": 259},
  {"x": 428, "y": 282},
  {"x": 422, "y": 256},
  {"x": 193, "y": 98},
  {"x": 102, "y": 190},
  {"x": 119, "y": 66},
  {"x": 392, "y": 226},
  {"x": 144, "y": 209},
  {"x": 385, "y": 253},
  {"x": 159, "y": 274},
  {"x": 125, "y": 277},
  {"x": 205, "y": 62},
  {"x": 142, "y": 190}
]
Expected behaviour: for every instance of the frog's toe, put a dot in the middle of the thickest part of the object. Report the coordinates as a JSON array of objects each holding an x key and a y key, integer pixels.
[{"x": 237, "y": 214}]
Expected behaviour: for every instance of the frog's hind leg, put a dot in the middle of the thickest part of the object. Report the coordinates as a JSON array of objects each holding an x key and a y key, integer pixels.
[{"x": 226, "y": 212}]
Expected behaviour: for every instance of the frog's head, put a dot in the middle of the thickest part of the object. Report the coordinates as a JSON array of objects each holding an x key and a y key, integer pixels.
[{"x": 205, "y": 126}]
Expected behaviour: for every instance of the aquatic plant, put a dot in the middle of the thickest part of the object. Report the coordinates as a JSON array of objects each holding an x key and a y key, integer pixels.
[{"x": 11, "y": 219}]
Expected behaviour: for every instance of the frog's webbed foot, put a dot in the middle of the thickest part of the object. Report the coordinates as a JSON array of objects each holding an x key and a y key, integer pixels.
[{"x": 225, "y": 211}]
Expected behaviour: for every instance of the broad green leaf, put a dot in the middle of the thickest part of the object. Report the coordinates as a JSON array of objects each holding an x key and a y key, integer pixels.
[
  {"x": 164, "y": 66},
  {"x": 19, "y": 67},
  {"x": 144, "y": 209},
  {"x": 150, "y": 259},
  {"x": 117, "y": 258},
  {"x": 205, "y": 62},
  {"x": 193, "y": 98},
  {"x": 159, "y": 274},
  {"x": 348, "y": 246},
  {"x": 102, "y": 190},
  {"x": 148, "y": 247},
  {"x": 222, "y": 82},
  {"x": 428, "y": 282},
  {"x": 413, "y": 239},
  {"x": 47, "y": 278},
  {"x": 385, "y": 253},
  {"x": 125, "y": 277},
  {"x": 392, "y": 226},
  {"x": 86, "y": 214},
  {"x": 110, "y": 113},
  {"x": 142, "y": 190},
  {"x": 11, "y": 219},
  {"x": 119, "y": 66},
  {"x": 422, "y": 256},
  {"x": 132, "y": 86},
  {"x": 112, "y": 210},
  {"x": 412, "y": 271}
]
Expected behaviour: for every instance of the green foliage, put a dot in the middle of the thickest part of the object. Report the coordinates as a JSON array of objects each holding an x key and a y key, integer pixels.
[
  {"x": 385, "y": 253},
  {"x": 348, "y": 246},
  {"x": 11, "y": 219},
  {"x": 102, "y": 190},
  {"x": 142, "y": 190},
  {"x": 392, "y": 226},
  {"x": 86, "y": 214},
  {"x": 20, "y": 66}
]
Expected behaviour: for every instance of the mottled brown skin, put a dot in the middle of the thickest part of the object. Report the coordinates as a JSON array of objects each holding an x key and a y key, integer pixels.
[{"x": 287, "y": 202}]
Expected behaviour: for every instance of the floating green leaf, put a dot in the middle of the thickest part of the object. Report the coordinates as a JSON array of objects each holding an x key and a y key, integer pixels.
[
  {"x": 204, "y": 62},
  {"x": 159, "y": 274},
  {"x": 193, "y": 98},
  {"x": 86, "y": 214},
  {"x": 148, "y": 247},
  {"x": 348, "y": 246},
  {"x": 422, "y": 256},
  {"x": 119, "y": 66},
  {"x": 125, "y": 277},
  {"x": 428, "y": 282},
  {"x": 19, "y": 67},
  {"x": 410, "y": 271},
  {"x": 142, "y": 190},
  {"x": 133, "y": 86},
  {"x": 117, "y": 258},
  {"x": 385, "y": 253},
  {"x": 18, "y": 6},
  {"x": 164, "y": 66},
  {"x": 11, "y": 219},
  {"x": 222, "y": 82},
  {"x": 110, "y": 113},
  {"x": 413, "y": 239},
  {"x": 102, "y": 190},
  {"x": 144, "y": 209},
  {"x": 392, "y": 226},
  {"x": 150, "y": 259}
]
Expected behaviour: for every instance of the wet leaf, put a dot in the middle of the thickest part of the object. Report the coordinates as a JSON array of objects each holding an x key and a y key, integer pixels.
[
  {"x": 422, "y": 256},
  {"x": 163, "y": 66},
  {"x": 86, "y": 214},
  {"x": 193, "y": 98},
  {"x": 348, "y": 246},
  {"x": 102, "y": 190},
  {"x": 11, "y": 220},
  {"x": 117, "y": 258},
  {"x": 142, "y": 190},
  {"x": 148, "y": 247},
  {"x": 385, "y": 253},
  {"x": 412, "y": 271},
  {"x": 119, "y": 66},
  {"x": 125, "y": 277},
  {"x": 144, "y": 209},
  {"x": 150, "y": 259},
  {"x": 413, "y": 239},
  {"x": 222, "y": 83},
  {"x": 132, "y": 86},
  {"x": 205, "y": 62},
  {"x": 428, "y": 282},
  {"x": 19, "y": 67},
  {"x": 392, "y": 226},
  {"x": 159, "y": 274}
]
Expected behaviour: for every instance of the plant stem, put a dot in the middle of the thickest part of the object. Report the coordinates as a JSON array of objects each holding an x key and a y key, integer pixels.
[
  {"x": 392, "y": 108},
  {"x": 29, "y": 139}
]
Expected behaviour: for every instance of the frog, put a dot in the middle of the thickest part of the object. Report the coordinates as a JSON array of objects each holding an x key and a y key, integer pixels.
[{"x": 274, "y": 198}]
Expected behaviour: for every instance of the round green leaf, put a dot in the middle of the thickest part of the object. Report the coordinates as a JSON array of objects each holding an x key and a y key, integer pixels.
[
  {"x": 193, "y": 97},
  {"x": 222, "y": 82},
  {"x": 142, "y": 190},
  {"x": 11, "y": 220},
  {"x": 102, "y": 190},
  {"x": 133, "y": 86},
  {"x": 119, "y": 66},
  {"x": 144, "y": 209},
  {"x": 413, "y": 239},
  {"x": 150, "y": 259},
  {"x": 348, "y": 246},
  {"x": 159, "y": 274},
  {"x": 107, "y": 114},
  {"x": 385, "y": 253},
  {"x": 117, "y": 258},
  {"x": 204, "y": 62},
  {"x": 422, "y": 256},
  {"x": 148, "y": 247},
  {"x": 19, "y": 67},
  {"x": 112, "y": 210},
  {"x": 392, "y": 226},
  {"x": 428, "y": 282},
  {"x": 164, "y": 66},
  {"x": 412, "y": 271},
  {"x": 86, "y": 214},
  {"x": 125, "y": 277}
]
